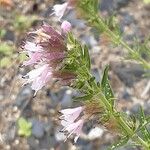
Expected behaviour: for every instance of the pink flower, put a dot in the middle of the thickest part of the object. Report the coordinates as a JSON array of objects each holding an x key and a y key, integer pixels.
[
  {"x": 60, "y": 9},
  {"x": 71, "y": 115},
  {"x": 66, "y": 27},
  {"x": 73, "y": 128},
  {"x": 46, "y": 49},
  {"x": 34, "y": 58},
  {"x": 32, "y": 47},
  {"x": 39, "y": 77},
  {"x": 69, "y": 122}
]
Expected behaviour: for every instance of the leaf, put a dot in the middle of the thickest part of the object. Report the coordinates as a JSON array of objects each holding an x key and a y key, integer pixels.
[
  {"x": 106, "y": 88},
  {"x": 24, "y": 127},
  {"x": 91, "y": 81},
  {"x": 70, "y": 38},
  {"x": 95, "y": 5},
  {"x": 5, "y": 62},
  {"x": 2, "y": 33},
  {"x": 143, "y": 129},
  {"x": 146, "y": 1},
  {"x": 87, "y": 57},
  {"x": 111, "y": 22},
  {"x": 133, "y": 122},
  {"x": 83, "y": 98},
  {"x": 120, "y": 143},
  {"x": 6, "y": 49},
  {"x": 23, "y": 22}
]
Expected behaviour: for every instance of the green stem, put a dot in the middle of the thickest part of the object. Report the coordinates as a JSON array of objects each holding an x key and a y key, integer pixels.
[
  {"x": 102, "y": 26},
  {"x": 97, "y": 22},
  {"x": 121, "y": 121}
]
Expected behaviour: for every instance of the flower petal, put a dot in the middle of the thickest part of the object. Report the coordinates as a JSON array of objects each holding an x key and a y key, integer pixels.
[{"x": 60, "y": 9}]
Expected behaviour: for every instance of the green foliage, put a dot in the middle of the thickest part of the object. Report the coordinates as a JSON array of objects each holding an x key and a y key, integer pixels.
[
  {"x": 24, "y": 127},
  {"x": 23, "y": 22},
  {"x": 146, "y": 1},
  {"x": 6, "y": 52},
  {"x": 88, "y": 5},
  {"x": 2, "y": 33},
  {"x": 141, "y": 53},
  {"x": 78, "y": 62},
  {"x": 143, "y": 126},
  {"x": 87, "y": 57},
  {"x": 106, "y": 88},
  {"x": 113, "y": 25},
  {"x": 5, "y": 62},
  {"x": 5, "y": 49}
]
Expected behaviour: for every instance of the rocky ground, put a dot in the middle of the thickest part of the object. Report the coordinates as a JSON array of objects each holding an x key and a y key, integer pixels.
[{"x": 19, "y": 16}]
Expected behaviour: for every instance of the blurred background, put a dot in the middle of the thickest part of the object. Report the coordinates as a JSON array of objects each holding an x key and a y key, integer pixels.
[{"x": 39, "y": 115}]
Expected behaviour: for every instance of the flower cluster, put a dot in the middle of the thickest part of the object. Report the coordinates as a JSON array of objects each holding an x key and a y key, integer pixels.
[
  {"x": 47, "y": 49},
  {"x": 70, "y": 122},
  {"x": 72, "y": 119}
]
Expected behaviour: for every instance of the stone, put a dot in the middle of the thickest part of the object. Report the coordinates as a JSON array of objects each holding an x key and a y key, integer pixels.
[
  {"x": 37, "y": 128},
  {"x": 24, "y": 95},
  {"x": 10, "y": 36},
  {"x": 66, "y": 99},
  {"x": 95, "y": 133},
  {"x": 111, "y": 5},
  {"x": 96, "y": 74},
  {"x": 11, "y": 132},
  {"x": 71, "y": 17},
  {"x": 60, "y": 136},
  {"x": 135, "y": 109},
  {"x": 129, "y": 73},
  {"x": 34, "y": 144}
]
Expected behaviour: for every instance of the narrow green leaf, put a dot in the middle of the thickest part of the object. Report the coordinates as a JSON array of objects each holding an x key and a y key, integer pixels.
[
  {"x": 83, "y": 98},
  {"x": 95, "y": 5},
  {"x": 87, "y": 57},
  {"x": 143, "y": 129},
  {"x": 106, "y": 88}
]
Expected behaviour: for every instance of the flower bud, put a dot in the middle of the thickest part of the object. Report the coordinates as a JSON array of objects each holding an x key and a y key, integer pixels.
[{"x": 66, "y": 27}]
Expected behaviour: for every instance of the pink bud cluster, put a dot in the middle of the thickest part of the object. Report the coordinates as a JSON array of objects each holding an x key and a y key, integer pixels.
[{"x": 46, "y": 49}]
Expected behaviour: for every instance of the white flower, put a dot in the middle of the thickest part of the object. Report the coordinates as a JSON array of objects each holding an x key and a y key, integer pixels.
[{"x": 60, "y": 9}]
